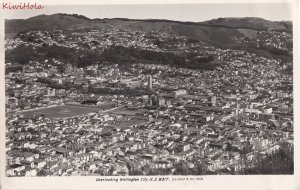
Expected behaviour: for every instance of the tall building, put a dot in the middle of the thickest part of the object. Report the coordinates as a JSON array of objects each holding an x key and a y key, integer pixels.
[
  {"x": 150, "y": 82},
  {"x": 237, "y": 110},
  {"x": 212, "y": 100}
]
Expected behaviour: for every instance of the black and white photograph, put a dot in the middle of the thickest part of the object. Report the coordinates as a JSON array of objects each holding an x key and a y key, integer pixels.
[{"x": 148, "y": 90}]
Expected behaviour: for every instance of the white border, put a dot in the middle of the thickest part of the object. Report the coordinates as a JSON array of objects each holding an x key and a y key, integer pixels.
[{"x": 272, "y": 182}]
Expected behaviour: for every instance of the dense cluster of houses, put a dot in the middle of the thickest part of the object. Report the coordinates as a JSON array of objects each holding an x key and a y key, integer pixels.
[
  {"x": 270, "y": 39},
  {"x": 216, "y": 120}
]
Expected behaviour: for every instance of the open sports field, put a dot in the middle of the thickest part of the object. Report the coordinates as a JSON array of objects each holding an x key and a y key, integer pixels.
[{"x": 64, "y": 111}]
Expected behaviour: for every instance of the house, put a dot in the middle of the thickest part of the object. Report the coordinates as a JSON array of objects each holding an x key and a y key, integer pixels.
[
  {"x": 56, "y": 81},
  {"x": 39, "y": 163},
  {"x": 30, "y": 172},
  {"x": 64, "y": 152},
  {"x": 15, "y": 169},
  {"x": 184, "y": 147},
  {"x": 162, "y": 164}
]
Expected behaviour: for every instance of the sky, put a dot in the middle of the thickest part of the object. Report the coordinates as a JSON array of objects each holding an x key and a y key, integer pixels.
[{"x": 183, "y": 12}]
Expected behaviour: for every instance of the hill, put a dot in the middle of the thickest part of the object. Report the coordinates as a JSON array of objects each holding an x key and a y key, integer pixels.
[
  {"x": 220, "y": 32},
  {"x": 43, "y": 22},
  {"x": 253, "y": 23}
]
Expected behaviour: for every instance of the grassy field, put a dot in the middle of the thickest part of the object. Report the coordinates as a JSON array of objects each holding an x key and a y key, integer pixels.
[
  {"x": 64, "y": 111},
  {"x": 124, "y": 111}
]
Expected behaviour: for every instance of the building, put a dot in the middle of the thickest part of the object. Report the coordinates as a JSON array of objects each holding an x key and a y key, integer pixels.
[
  {"x": 161, "y": 101},
  {"x": 12, "y": 100},
  {"x": 150, "y": 81},
  {"x": 212, "y": 101},
  {"x": 179, "y": 92},
  {"x": 56, "y": 81},
  {"x": 129, "y": 84},
  {"x": 51, "y": 92}
]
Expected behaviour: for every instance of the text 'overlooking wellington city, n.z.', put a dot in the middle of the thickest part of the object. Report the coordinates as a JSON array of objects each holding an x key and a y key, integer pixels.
[{"x": 109, "y": 97}]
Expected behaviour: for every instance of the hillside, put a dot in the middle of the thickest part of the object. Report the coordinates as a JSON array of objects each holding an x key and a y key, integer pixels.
[
  {"x": 218, "y": 32},
  {"x": 43, "y": 22},
  {"x": 81, "y": 41},
  {"x": 252, "y": 23}
]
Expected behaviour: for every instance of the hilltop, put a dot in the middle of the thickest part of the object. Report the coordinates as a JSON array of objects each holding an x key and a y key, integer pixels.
[{"x": 253, "y": 23}]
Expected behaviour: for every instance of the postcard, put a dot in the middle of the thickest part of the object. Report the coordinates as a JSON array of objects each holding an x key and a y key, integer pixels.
[{"x": 148, "y": 94}]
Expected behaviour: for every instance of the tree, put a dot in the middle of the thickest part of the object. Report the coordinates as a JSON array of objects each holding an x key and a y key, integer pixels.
[
  {"x": 280, "y": 162},
  {"x": 21, "y": 54}
]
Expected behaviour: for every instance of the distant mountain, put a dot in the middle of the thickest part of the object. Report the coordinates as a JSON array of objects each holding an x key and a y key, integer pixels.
[
  {"x": 220, "y": 32},
  {"x": 253, "y": 23}
]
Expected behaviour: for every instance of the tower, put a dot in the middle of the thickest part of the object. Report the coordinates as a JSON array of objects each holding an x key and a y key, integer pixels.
[
  {"x": 237, "y": 110},
  {"x": 150, "y": 82}
]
